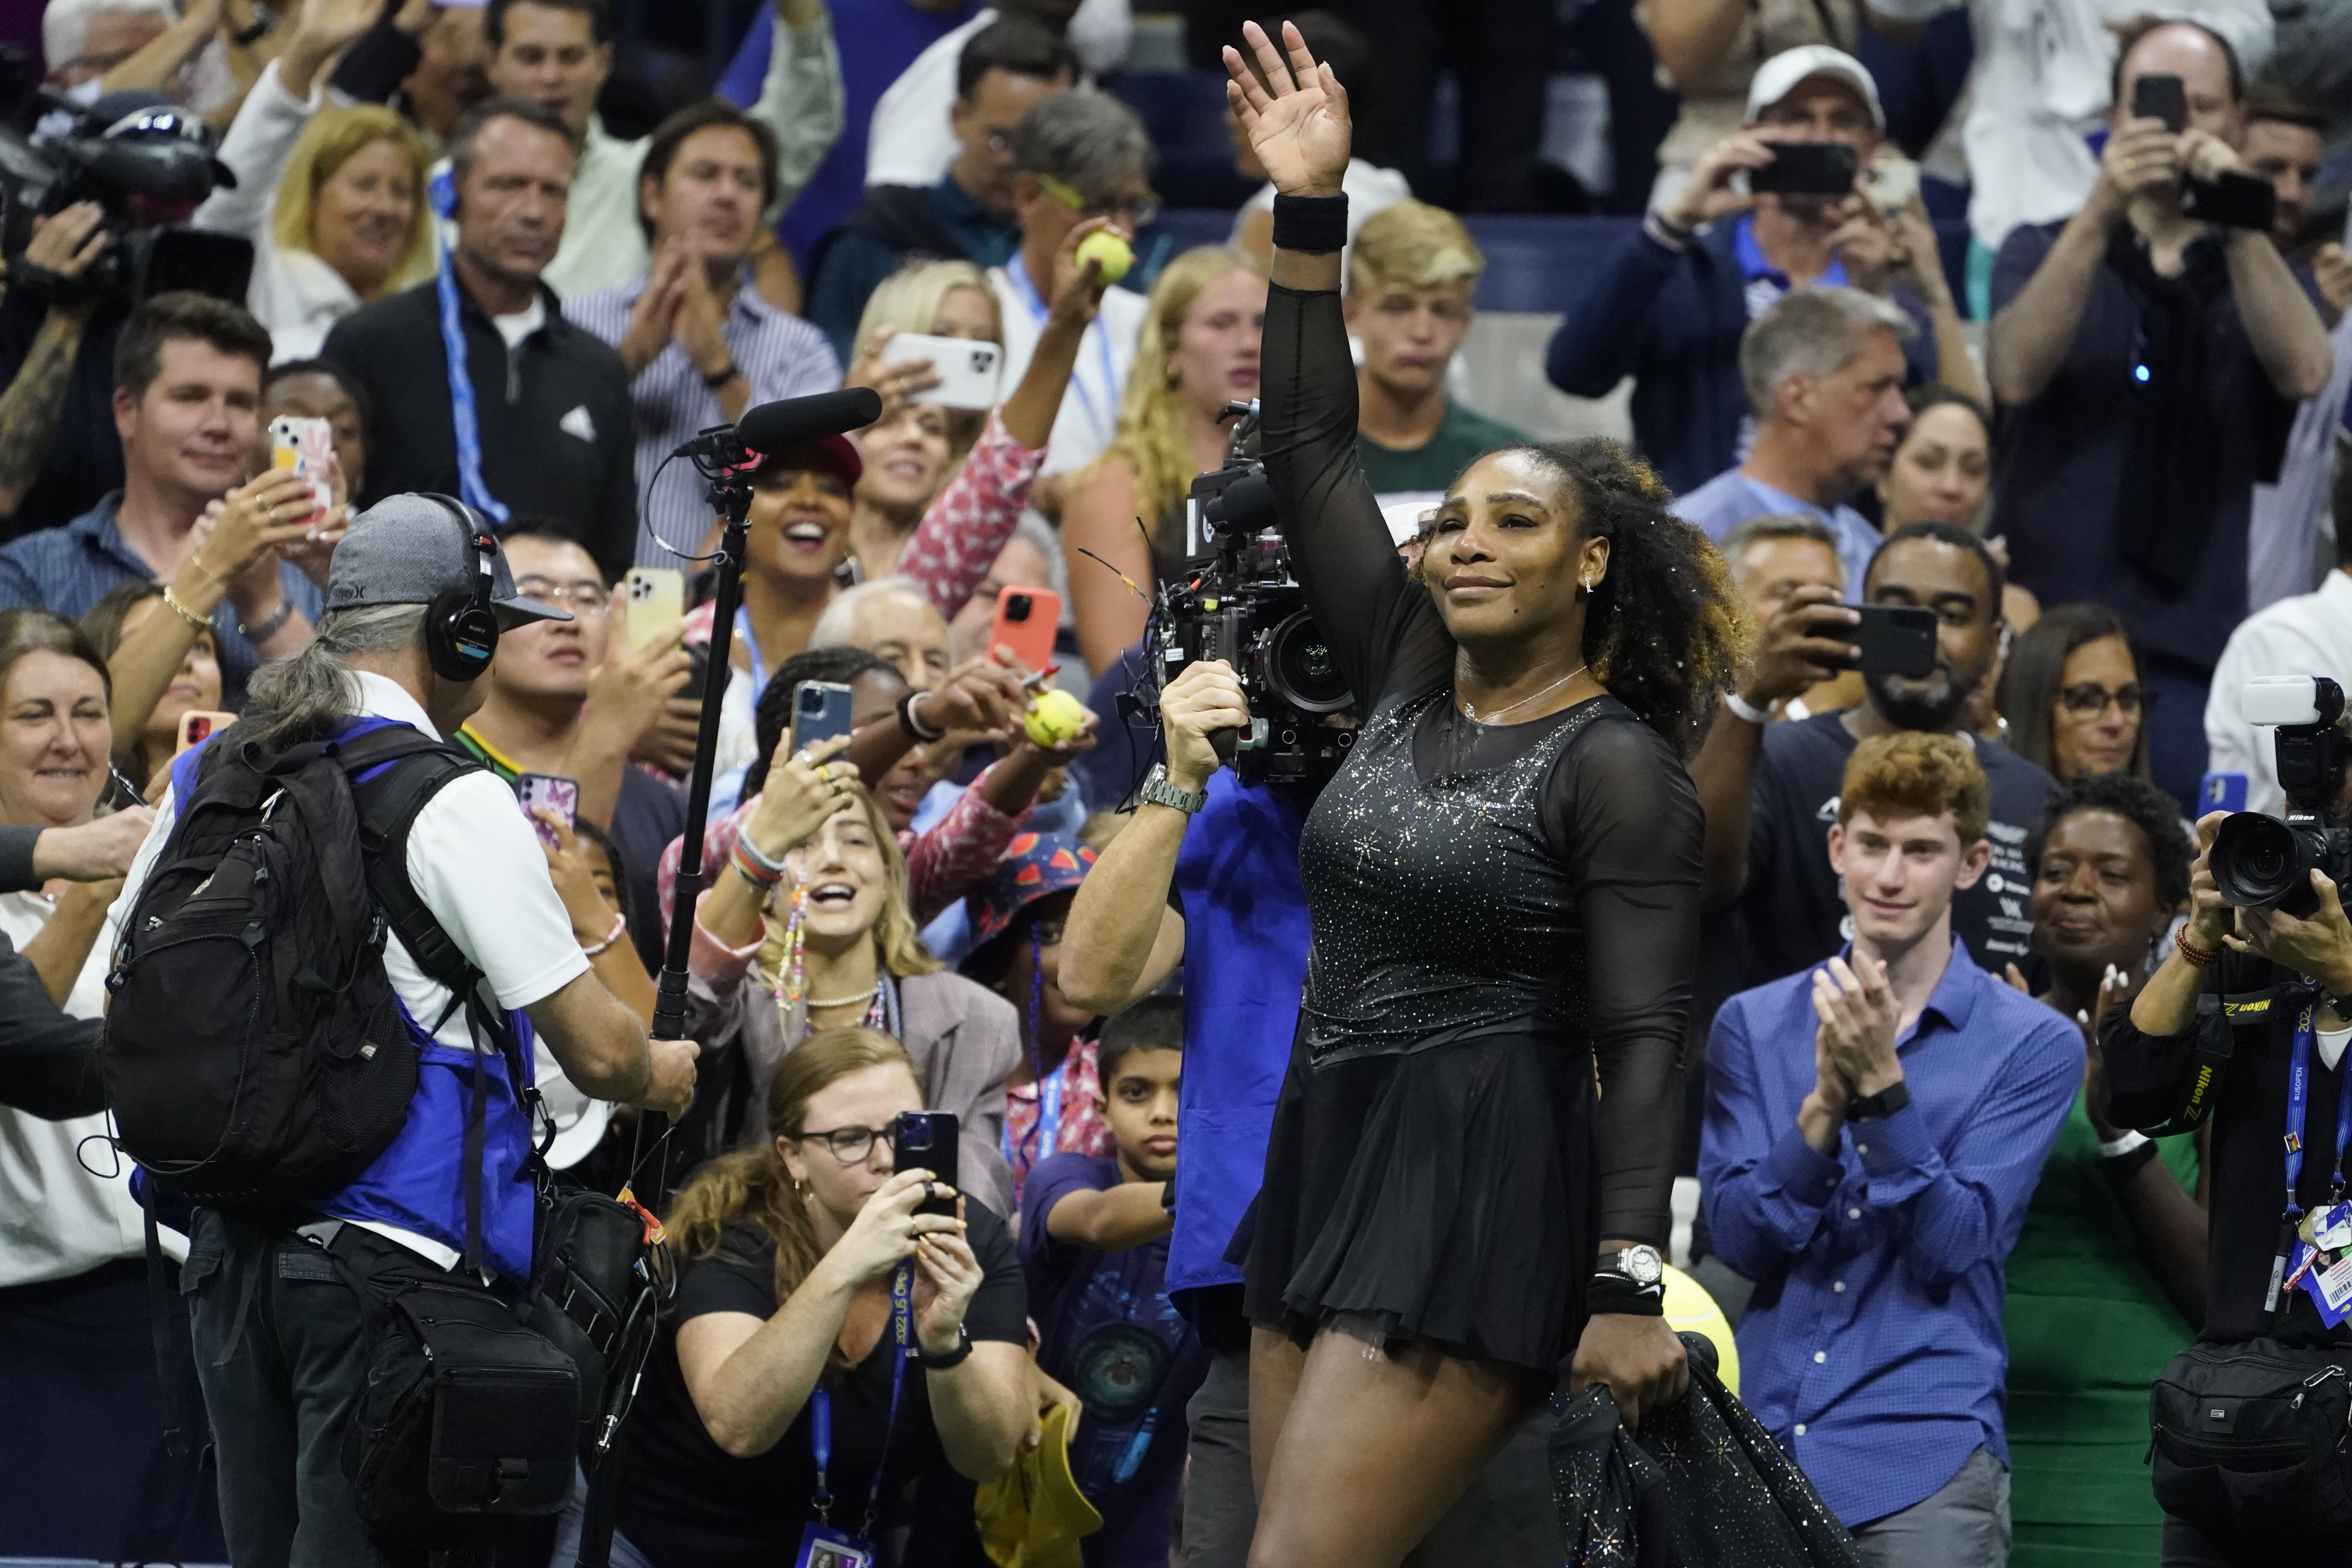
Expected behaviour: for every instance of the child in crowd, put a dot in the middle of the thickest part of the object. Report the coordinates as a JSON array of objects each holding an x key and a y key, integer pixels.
[{"x": 1094, "y": 1249}]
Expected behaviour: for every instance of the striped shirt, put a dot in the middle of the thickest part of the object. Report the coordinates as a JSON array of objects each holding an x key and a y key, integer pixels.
[
  {"x": 779, "y": 353},
  {"x": 72, "y": 568}
]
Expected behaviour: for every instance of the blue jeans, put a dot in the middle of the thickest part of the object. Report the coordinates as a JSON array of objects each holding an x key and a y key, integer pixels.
[{"x": 575, "y": 1516}]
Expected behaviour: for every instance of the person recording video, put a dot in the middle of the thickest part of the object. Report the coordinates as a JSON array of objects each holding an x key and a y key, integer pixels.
[{"x": 2243, "y": 1029}]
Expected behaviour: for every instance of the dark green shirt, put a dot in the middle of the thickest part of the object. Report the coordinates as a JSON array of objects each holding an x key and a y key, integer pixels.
[{"x": 1436, "y": 463}]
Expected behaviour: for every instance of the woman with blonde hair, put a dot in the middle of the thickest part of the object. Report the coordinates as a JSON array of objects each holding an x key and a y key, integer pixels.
[
  {"x": 1199, "y": 351},
  {"x": 781, "y": 1393},
  {"x": 332, "y": 199},
  {"x": 807, "y": 928}
]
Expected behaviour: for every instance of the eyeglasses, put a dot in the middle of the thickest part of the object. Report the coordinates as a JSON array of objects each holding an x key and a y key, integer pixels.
[
  {"x": 2090, "y": 700},
  {"x": 852, "y": 1146},
  {"x": 585, "y": 598},
  {"x": 1142, "y": 211}
]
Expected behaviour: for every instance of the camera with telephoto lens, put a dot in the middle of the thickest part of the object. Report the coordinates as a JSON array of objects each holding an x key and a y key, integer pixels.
[
  {"x": 149, "y": 164},
  {"x": 1237, "y": 600},
  {"x": 2261, "y": 862}
]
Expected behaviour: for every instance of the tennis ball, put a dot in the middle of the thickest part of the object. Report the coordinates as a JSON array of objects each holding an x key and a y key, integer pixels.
[
  {"x": 1054, "y": 718},
  {"x": 1111, "y": 254}
]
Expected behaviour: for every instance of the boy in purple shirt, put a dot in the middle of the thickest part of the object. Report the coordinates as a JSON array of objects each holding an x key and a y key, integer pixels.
[{"x": 1093, "y": 1248}]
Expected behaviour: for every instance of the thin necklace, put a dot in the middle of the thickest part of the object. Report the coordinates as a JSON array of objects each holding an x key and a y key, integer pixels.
[{"x": 1492, "y": 715}]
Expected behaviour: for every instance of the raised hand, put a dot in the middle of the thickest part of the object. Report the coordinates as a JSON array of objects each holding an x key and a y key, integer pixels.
[{"x": 1297, "y": 118}]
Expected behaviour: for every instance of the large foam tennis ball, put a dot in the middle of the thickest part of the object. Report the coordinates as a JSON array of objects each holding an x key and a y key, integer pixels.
[
  {"x": 1054, "y": 718},
  {"x": 1109, "y": 253}
]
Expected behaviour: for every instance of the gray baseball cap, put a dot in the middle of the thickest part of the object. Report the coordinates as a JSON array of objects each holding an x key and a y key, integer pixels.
[{"x": 406, "y": 549}]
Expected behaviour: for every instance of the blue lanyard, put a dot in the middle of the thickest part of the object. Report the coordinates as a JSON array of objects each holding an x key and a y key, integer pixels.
[
  {"x": 1033, "y": 303},
  {"x": 1049, "y": 1121},
  {"x": 470, "y": 488},
  {"x": 2298, "y": 1094},
  {"x": 902, "y": 1335},
  {"x": 750, "y": 643}
]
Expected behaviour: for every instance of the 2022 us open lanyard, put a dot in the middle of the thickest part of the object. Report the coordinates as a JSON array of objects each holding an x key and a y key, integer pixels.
[{"x": 823, "y": 1545}]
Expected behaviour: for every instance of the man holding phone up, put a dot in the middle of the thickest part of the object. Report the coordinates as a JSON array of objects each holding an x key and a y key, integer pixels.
[{"x": 2150, "y": 360}]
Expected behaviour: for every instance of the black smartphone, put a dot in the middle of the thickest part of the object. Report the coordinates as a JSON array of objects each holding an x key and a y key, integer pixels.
[
  {"x": 1895, "y": 639},
  {"x": 929, "y": 1141},
  {"x": 2233, "y": 199},
  {"x": 1806, "y": 169},
  {"x": 697, "y": 669},
  {"x": 2162, "y": 98}
]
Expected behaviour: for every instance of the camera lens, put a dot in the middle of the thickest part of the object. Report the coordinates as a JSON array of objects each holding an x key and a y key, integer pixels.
[
  {"x": 2259, "y": 863},
  {"x": 1301, "y": 669},
  {"x": 1016, "y": 608}
]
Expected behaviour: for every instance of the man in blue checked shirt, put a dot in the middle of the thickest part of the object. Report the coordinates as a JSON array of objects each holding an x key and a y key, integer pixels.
[{"x": 1874, "y": 1128}]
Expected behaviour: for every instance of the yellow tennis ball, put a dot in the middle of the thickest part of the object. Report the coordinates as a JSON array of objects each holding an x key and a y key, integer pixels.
[
  {"x": 1111, "y": 254},
  {"x": 1054, "y": 718}
]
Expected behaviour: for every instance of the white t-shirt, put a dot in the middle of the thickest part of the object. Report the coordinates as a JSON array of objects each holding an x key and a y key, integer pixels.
[
  {"x": 1089, "y": 412},
  {"x": 523, "y": 322},
  {"x": 907, "y": 142},
  {"x": 476, "y": 865},
  {"x": 58, "y": 1216}
]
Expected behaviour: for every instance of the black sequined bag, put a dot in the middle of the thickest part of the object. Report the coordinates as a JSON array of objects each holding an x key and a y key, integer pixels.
[{"x": 1702, "y": 1485}]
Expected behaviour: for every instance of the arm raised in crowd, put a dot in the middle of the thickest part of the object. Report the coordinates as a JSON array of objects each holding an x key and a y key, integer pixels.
[
  {"x": 63, "y": 245},
  {"x": 271, "y": 119},
  {"x": 2282, "y": 325},
  {"x": 800, "y": 99},
  {"x": 151, "y": 67}
]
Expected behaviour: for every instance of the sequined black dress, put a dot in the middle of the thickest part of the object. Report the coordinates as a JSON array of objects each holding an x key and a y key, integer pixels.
[{"x": 1498, "y": 912}]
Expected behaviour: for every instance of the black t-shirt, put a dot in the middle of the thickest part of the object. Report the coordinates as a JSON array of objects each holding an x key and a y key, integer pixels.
[
  {"x": 1794, "y": 913},
  {"x": 686, "y": 1503}
]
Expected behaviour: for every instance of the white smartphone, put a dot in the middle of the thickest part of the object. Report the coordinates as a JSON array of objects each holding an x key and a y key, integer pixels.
[
  {"x": 655, "y": 601},
  {"x": 969, "y": 368}
]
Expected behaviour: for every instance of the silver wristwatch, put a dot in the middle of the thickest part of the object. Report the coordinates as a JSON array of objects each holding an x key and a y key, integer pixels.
[
  {"x": 1642, "y": 1265},
  {"x": 1158, "y": 791}
]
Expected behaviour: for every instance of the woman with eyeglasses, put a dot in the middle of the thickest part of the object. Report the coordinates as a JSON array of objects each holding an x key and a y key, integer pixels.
[
  {"x": 779, "y": 1395},
  {"x": 806, "y": 927},
  {"x": 2072, "y": 698}
]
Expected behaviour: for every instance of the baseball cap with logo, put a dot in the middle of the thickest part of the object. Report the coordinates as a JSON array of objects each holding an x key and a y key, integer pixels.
[
  {"x": 1776, "y": 77},
  {"x": 406, "y": 549}
]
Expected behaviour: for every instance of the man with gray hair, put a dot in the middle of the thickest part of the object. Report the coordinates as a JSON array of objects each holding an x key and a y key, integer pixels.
[
  {"x": 277, "y": 1314},
  {"x": 1824, "y": 373},
  {"x": 1078, "y": 155}
]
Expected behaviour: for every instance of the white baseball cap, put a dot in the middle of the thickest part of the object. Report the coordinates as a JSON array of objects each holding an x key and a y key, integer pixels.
[{"x": 1776, "y": 77}]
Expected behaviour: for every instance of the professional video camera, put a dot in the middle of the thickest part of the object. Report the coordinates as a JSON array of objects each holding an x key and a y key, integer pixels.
[
  {"x": 2261, "y": 862},
  {"x": 149, "y": 163},
  {"x": 1237, "y": 600}
]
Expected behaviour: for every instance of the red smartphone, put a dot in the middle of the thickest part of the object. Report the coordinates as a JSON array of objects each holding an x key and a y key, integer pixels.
[
  {"x": 198, "y": 726},
  {"x": 1026, "y": 620}
]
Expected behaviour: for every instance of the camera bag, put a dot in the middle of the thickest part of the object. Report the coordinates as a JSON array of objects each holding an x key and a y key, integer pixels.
[{"x": 2250, "y": 1442}]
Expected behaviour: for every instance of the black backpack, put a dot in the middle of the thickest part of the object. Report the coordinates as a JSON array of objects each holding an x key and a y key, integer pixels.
[{"x": 255, "y": 1053}]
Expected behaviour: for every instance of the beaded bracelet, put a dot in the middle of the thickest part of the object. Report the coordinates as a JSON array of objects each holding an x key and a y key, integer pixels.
[
  {"x": 171, "y": 602},
  {"x": 620, "y": 929},
  {"x": 749, "y": 865},
  {"x": 2198, "y": 957}
]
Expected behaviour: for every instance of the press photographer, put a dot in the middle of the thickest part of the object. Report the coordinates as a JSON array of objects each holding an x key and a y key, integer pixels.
[{"x": 2243, "y": 1028}]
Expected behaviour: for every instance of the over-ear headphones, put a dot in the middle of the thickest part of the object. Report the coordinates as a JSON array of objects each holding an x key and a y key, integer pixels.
[{"x": 461, "y": 625}]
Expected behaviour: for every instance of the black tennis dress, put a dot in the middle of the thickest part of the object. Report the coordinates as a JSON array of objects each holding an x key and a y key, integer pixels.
[{"x": 1502, "y": 914}]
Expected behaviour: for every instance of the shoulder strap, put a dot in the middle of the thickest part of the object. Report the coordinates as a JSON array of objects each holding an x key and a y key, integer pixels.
[{"x": 2220, "y": 1015}]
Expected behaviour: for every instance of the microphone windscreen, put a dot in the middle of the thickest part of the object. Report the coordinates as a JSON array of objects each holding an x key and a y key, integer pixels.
[{"x": 789, "y": 422}]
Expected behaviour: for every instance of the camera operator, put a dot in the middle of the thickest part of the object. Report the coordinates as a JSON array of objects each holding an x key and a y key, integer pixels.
[
  {"x": 1241, "y": 936},
  {"x": 2153, "y": 1065}
]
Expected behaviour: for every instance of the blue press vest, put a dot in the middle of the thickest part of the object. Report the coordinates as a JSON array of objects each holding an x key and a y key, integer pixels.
[
  {"x": 1245, "y": 936},
  {"x": 417, "y": 1184}
]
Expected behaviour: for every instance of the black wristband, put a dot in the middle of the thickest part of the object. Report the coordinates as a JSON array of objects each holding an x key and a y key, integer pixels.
[
  {"x": 2123, "y": 1167},
  {"x": 1615, "y": 1294},
  {"x": 1313, "y": 225},
  {"x": 954, "y": 1358},
  {"x": 915, "y": 731},
  {"x": 720, "y": 379},
  {"x": 1880, "y": 1106}
]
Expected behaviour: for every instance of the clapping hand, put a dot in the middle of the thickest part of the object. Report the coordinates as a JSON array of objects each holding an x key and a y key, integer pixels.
[
  {"x": 1297, "y": 119},
  {"x": 1859, "y": 1020}
]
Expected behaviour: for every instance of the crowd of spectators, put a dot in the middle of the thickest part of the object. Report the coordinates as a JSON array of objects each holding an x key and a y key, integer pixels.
[{"x": 2105, "y": 453}]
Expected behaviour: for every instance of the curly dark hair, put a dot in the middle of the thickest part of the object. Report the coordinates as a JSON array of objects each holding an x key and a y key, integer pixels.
[
  {"x": 1666, "y": 631},
  {"x": 2154, "y": 813}
]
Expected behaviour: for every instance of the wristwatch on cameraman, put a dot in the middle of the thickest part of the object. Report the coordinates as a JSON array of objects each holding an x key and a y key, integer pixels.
[{"x": 1158, "y": 791}]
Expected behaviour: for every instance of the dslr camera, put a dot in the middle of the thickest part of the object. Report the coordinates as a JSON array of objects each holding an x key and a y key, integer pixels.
[
  {"x": 149, "y": 163},
  {"x": 1237, "y": 600},
  {"x": 2259, "y": 861}
]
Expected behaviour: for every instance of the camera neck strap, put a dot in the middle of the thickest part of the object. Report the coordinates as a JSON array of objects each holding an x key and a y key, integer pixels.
[
  {"x": 462, "y": 414},
  {"x": 902, "y": 1344},
  {"x": 2298, "y": 1100}
]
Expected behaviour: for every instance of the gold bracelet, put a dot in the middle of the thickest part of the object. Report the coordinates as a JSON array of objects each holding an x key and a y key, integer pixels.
[
  {"x": 197, "y": 561},
  {"x": 171, "y": 602}
]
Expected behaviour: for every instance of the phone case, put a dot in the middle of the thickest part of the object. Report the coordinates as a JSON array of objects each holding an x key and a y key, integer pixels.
[
  {"x": 553, "y": 793},
  {"x": 1027, "y": 621},
  {"x": 969, "y": 370},
  {"x": 304, "y": 446},
  {"x": 821, "y": 710},
  {"x": 655, "y": 597}
]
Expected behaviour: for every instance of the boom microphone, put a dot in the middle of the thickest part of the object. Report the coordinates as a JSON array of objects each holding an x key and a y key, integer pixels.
[{"x": 788, "y": 422}]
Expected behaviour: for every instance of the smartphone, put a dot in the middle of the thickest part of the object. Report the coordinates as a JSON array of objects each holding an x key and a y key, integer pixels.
[
  {"x": 929, "y": 1141},
  {"x": 304, "y": 446},
  {"x": 2160, "y": 97},
  {"x": 969, "y": 368},
  {"x": 2233, "y": 199},
  {"x": 1806, "y": 169},
  {"x": 1895, "y": 639},
  {"x": 198, "y": 726},
  {"x": 1026, "y": 620},
  {"x": 656, "y": 600},
  {"x": 1892, "y": 184},
  {"x": 698, "y": 667},
  {"x": 820, "y": 711},
  {"x": 555, "y": 794}
]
